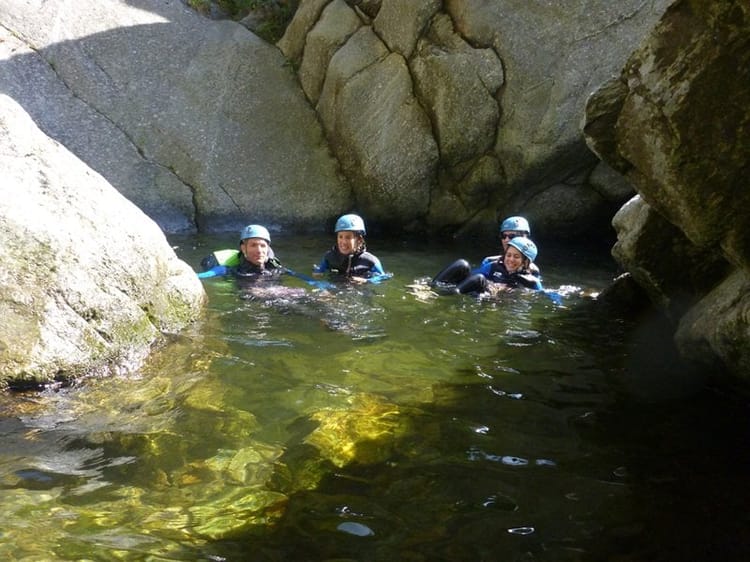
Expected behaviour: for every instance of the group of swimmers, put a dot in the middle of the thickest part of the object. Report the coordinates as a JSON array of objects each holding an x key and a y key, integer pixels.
[{"x": 349, "y": 259}]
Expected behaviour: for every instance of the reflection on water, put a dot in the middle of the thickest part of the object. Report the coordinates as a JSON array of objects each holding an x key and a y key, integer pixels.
[{"x": 383, "y": 422}]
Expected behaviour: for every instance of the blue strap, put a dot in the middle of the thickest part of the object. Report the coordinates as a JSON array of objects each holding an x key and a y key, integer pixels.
[{"x": 309, "y": 280}]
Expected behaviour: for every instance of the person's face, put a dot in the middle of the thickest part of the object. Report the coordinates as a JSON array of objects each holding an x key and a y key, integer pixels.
[
  {"x": 513, "y": 259},
  {"x": 507, "y": 235},
  {"x": 347, "y": 241},
  {"x": 255, "y": 250}
]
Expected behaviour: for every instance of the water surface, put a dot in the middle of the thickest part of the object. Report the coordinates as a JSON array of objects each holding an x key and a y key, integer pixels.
[{"x": 385, "y": 423}]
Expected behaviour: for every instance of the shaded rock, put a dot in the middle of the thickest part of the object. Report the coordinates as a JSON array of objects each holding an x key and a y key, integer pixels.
[
  {"x": 719, "y": 327},
  {"x": 672, "y": 270},
  {"x": 611, "y": 185},
  {"x": 624, "y": 296},
  {"x": 569, "y": 210},
  {"x": 684, "y": 239},
  {"x": 685, "y": 158}
]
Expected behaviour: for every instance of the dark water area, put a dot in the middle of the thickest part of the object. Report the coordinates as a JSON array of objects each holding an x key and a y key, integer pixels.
[{"x": 384, "y": 422}]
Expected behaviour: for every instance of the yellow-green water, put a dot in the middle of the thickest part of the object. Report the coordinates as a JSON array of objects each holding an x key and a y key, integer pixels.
[{"x": 384, "y": 423}]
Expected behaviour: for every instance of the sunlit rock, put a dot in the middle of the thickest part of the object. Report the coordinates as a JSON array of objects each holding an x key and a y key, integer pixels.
[
  {"x": 199, "y": 122},
  {"x": 500, "y": 81},
  {"x": 88, "y": 281},
  {"x": 337, "y": 23},
  {"x": 378, "y": 130}
]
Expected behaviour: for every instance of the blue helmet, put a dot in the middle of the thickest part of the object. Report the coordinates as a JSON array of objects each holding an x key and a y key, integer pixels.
[
  {"x": 255, "y": 231},
  {"x": 525, "y": 246},
  {"x": 350, "y": 222},
  {"x": 518, "y": 224}
]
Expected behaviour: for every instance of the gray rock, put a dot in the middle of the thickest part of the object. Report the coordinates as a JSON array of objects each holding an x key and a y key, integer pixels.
[
  {"x": 337, "y": 23},
  {"x": 292, "y": 43},
  {"x": 503, "y": 85},
  {"x": 400, "y": 24},
  {"x": 554, "y": 55},
  {"x": 684, "y": 240},
  {"x": 378, "y": 131},
  {"x": 612, "y": 186},
  {"x": 88, "y": 281},
  {"x": 92, "y": 136},
  {"x": 670, "y": 268},
  {"x": 198, "y": 122},
  {"x": 715, "y": 333},
  {"x": 458, "y": 86}
]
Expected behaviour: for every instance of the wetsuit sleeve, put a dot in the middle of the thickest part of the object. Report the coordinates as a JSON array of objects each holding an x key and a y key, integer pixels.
[
  {"x": 208, "y": 262},
  {"x": 376, "y": 267},
  {"x": 484, "y": 269},
  {"x": 216, "y": 271},
  {"x": 322, "y": 267},
  {"x": 377, "y": 273}
]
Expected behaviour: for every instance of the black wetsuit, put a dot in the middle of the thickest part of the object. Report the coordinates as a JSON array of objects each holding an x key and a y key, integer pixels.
[
  {"x": 358, "y": 264},
  {"x": 459, "y": 278},
  {"x": 247, "y": 269},
  {"x": 521, "y": 278}
]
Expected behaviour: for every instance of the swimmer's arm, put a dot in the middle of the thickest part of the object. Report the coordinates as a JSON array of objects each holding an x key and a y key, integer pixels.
[
  {"x": 484, "y": 269},
  {"x": 216, "y": 271},
  {"x": 320, "y": 269}
]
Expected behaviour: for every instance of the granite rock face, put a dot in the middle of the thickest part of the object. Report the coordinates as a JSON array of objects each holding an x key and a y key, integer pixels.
[
  {"x": 198, "y": 122},
  {"x": 448, "y": 116},
  {"x": 88, "y": 282}
]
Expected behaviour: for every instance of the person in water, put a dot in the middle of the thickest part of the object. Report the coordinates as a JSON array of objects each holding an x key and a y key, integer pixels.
[
  {"x": 510, "y": 228},
  {"x": 253, "y": 260},
  {"x": 349, "y": 257},
  {"x": 512, "y": 269}
]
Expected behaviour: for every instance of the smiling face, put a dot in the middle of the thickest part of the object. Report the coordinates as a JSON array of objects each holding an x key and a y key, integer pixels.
[
  {"x": 348, "y": 241},
  {"x": 255, "y": 250},
  {"x": 513, "y": 260}
]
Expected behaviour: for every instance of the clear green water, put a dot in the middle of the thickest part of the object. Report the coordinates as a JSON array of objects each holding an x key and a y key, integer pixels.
[{"x": 384, "y": 423}]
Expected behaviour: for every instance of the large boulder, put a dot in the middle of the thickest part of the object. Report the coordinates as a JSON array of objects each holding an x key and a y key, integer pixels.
[
  {"x": 676, "y": 123},
  {"x": 672, "y": 270},
  {"x": 87, "y": 281},
  {"x": 198, "y": 122}
]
